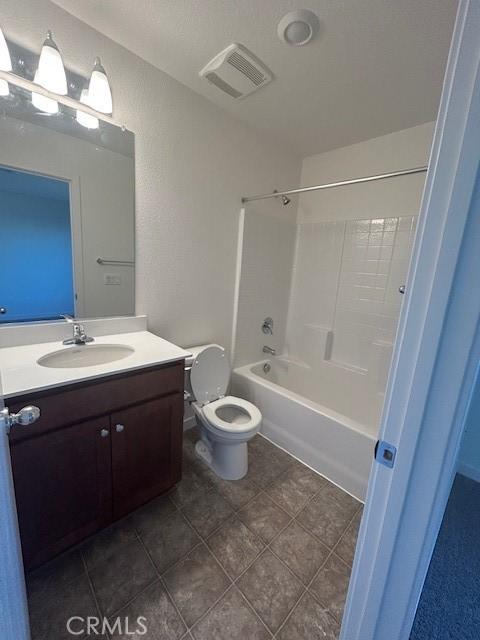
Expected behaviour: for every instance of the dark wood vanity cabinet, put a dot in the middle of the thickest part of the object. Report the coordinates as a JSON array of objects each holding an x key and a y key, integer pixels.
[{"x": 98, "y": 451}]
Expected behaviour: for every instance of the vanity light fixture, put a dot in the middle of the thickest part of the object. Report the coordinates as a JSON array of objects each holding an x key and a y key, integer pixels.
[
  {"x": 50, "y": 86},
  {"x": 51, "y": 72},
  {"x": 99, "y": 92},
  {"x": 85, "y": 119},
  {"x": 5, "y": 63}
]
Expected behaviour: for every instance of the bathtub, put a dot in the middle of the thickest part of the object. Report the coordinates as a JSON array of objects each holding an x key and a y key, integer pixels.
[{"x": 334, "y": 445}]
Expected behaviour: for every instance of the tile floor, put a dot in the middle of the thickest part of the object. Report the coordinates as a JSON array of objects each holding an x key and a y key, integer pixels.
[{"x": 267, "y": 556}]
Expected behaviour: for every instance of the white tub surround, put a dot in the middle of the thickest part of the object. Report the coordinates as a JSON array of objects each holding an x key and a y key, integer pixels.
[
  {"x": 344, "y": 310},
  {"x": 21, "y": 373},
  {"x": 336, "y": 446}
]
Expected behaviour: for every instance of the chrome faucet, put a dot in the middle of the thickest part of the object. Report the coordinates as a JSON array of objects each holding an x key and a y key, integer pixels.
[
  {"x": 269, "y": 350},
  {"x": 79, "y": 333}
]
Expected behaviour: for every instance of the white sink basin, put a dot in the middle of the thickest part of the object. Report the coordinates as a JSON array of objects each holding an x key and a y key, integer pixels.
[{"x": 87, "y": 355}]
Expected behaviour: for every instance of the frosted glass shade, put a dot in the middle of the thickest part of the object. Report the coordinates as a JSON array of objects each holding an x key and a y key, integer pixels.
[
  {"x": 42, "y": 103},
  {"x": 5, "y": 64},
  {"x": 99, "y": 93},
  {"x": 51, "y": 72},
  {"x": 85, "y": 119},
  {"x": 5, "y": 59}
]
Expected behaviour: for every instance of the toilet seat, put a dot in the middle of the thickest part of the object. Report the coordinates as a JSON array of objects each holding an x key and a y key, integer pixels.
[{"x": 245, "y": 416}]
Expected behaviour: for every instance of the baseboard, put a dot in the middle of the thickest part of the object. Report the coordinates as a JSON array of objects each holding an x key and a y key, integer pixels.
[
  {"x": 189, "y": 423},
  {"x": 469, "y": 471}
]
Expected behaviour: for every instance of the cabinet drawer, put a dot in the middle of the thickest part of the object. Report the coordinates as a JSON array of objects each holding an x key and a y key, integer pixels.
[{"x": 73, "y": 403}]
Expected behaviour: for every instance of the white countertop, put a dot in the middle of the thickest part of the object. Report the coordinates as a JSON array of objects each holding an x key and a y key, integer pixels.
[{"x": 20, "y": 373}]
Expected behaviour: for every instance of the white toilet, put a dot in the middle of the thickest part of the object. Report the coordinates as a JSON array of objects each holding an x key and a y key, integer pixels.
[{"x": 226, "y": 423}]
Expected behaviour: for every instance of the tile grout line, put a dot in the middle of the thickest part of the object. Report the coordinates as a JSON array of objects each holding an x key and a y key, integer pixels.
[
  {"x": 231, "y": 586},
  {"x": 307, "y": 588},
  {"x": 92, "y": 588},
  {"x": 163, "y": 583},
  {"x": 221, "y": 595},
  {"x": 332, "y": 553}
]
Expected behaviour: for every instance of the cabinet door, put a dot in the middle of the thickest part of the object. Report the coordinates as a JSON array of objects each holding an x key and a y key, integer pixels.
[
  {"x": 146, "y": 451},
  {"x": 63, "y": 487}
]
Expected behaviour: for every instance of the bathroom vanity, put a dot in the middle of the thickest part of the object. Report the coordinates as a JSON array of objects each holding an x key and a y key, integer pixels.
[{"x": 109, "y": 439}]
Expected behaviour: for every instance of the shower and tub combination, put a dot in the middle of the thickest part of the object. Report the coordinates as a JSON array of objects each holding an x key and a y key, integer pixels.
[{"x": 316, "y": 310}]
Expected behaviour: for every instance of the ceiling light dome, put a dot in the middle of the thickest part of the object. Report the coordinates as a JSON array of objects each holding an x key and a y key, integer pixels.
[{"x": 298, "y": 27}]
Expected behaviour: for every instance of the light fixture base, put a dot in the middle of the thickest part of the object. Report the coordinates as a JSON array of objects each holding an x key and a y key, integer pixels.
[{"x": 298, "y": 28}]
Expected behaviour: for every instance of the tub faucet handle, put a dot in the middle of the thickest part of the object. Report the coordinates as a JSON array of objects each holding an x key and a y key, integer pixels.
[{"x": 267, "y": 326}]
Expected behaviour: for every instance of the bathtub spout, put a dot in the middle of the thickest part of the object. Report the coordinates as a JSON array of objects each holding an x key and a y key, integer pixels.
[{"x": 269, "y": 350}]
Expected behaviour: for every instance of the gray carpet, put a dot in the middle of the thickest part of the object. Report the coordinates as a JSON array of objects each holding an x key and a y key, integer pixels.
[{"x": 449, "y": 607}]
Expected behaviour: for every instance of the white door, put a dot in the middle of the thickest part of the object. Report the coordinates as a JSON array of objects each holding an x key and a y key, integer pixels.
[
  {"x": 433, "y": 369},
  {"x": 13, "y": 601}
]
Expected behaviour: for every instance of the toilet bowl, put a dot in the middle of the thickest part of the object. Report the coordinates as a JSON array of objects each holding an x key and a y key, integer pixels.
[{"x": 226, "y": 423}]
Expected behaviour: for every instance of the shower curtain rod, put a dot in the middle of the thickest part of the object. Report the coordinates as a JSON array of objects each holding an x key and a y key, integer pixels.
[{"x": 331, "y": 185}]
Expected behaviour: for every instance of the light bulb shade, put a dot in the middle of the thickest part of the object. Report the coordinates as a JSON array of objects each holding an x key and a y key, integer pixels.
[
  {"x": 51, "y": 72},
  {"x": 85, "y": 119},
  {"x": 42, "y": 103},
  {"x": 99, "y": 92},
  {"x": 4, "y": 89},
  {"x": 5, "y": 59}
]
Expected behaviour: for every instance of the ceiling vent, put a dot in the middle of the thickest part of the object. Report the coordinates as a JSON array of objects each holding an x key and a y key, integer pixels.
[{"x": 236, "y": 71}]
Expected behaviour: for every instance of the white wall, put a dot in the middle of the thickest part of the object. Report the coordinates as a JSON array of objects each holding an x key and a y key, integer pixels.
[
  {"x": 193, "y": 164},
  {"x": 385, "y": 198}
]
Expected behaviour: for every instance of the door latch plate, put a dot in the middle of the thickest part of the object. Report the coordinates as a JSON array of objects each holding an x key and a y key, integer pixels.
[{"x": 385, "y": 453}]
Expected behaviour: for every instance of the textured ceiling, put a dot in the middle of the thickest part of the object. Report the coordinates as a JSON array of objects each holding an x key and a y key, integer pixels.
[{"x": 377, "y": 65}]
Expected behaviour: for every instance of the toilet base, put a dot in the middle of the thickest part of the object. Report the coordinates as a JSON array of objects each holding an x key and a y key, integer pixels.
[{"x": 229, "y": 461}]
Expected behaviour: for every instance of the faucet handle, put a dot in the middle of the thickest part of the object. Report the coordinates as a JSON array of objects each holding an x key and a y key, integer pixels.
[
  {"x": 78, "y": 329},
  {"x": 267, "y": 326}
]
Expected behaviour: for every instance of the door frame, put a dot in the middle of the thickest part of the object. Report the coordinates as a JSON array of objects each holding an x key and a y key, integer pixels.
[
  {"x": 14, "y": 621},
  {"x": 435, "y": 361}
]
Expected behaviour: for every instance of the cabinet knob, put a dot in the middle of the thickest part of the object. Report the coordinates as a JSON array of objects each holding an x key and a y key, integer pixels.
[
  {"x": 104, "y": 433},
  {"x": 119, "y": 428}
]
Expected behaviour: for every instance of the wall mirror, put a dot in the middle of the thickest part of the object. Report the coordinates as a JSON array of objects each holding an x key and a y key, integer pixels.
[{"x": 66, "y": 214}]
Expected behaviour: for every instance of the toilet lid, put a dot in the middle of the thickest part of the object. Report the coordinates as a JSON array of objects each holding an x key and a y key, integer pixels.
[{"x": 210, "y": 374}]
